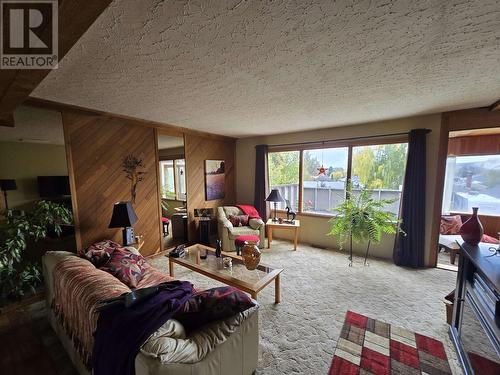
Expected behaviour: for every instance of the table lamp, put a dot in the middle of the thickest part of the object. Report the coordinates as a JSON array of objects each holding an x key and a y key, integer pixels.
[
  {"x": 124, "y": 217},
  {"x": 6, "y": 185},
  {"x": 275, "y": 197}
]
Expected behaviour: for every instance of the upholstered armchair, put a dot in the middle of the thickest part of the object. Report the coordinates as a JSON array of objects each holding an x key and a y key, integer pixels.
[{"x": 228, "y": 233}]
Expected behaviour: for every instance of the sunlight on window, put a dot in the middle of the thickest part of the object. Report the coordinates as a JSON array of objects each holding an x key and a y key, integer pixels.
[
  {"x": 283, "y": 169},
  {"x": 325, "y": 177},
  {"x": 472, "y": 181}
]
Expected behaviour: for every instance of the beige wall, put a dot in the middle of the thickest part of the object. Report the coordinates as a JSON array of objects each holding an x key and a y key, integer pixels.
[
  {"x": 313, "y": 229},
  {"x": 24, "y": 162}
]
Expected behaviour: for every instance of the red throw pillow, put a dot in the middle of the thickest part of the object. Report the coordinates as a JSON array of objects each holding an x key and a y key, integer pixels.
[
  {"x": 211, "y": 305},
  {"x": 450, "y": 224},
  {"x": 235, "y": 220},
  {"x": 126, "y": 267},
  {"x": 489, "y": 239},
  {"x": 100, "y": 252},
  {"x": 243, "y": 220}
]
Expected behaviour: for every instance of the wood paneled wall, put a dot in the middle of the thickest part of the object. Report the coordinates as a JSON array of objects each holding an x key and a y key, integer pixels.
[
  {"x": 197, "y": 150},
  {"x": 96, "y": 146},
  {"x": 475, "y": 145}
]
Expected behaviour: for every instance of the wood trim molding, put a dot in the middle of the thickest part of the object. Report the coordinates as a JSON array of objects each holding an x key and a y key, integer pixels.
[
  {"x": 158, "y": 189},
  {"x": 438, "y": 193},
  {"x": 495, "y": 106},
  {"x": 475, "y": 118},
  {"x": 164, "y": 128}
]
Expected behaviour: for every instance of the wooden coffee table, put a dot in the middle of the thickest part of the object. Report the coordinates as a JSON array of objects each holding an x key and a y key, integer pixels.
[
  {"x": 276, "y": 225},
  {"x": 238, "y": 276}
]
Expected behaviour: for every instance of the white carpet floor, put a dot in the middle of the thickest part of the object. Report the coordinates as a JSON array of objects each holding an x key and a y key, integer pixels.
[{"x": 298, "y": 336}]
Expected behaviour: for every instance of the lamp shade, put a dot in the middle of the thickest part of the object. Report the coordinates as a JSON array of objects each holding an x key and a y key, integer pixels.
[
  {"x": 274, "y": 196},
  {"x": 8, "y": 185},
  {"x": 123, "y": 215}
]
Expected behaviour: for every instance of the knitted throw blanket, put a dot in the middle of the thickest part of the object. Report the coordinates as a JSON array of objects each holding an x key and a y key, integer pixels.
[{"x": 78, "y": 287}]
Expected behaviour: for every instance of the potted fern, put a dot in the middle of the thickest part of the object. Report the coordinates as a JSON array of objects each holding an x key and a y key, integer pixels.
[
  {"x": 361, "y": 219},
  {"x": 16, "y": 277}
]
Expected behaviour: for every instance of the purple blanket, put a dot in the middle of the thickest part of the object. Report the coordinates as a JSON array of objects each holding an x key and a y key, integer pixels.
[{"x": 121, "y": 331}]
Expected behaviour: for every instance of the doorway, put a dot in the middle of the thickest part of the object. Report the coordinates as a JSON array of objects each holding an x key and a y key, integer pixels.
[{"x": 172, "y": 183}]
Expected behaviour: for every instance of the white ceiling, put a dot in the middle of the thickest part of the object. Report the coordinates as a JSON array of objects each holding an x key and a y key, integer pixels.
[
  {"x": 34, "y": 125},
  {"x": 243, "y": 68}
]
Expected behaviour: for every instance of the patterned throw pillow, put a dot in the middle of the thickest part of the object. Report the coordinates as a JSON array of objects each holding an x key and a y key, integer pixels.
[
  {"x": 100, "y": 252},
  {"x": 450, "y": 224},
  {"x": 235, "y": 220},
  {"x": 126, "y": 267},
  {"x": 243, "y": 220},
  {"x": 211, "y": 305}
]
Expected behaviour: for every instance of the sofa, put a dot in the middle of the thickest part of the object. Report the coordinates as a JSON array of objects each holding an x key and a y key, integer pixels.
[
  {"x": 227, "y": 347},
  {"x": 228, "y": 232}
]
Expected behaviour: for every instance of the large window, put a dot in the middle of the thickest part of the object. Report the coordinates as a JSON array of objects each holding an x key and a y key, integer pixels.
[
  {"x": 472, "y": 181},
  {"x": 283, "y": 170},
  {"x": 381, "y": 169},
  {"x": 325, "y": 172},
  {"x": 173, "y": 179},
  {"x": 324, "y": 180}
]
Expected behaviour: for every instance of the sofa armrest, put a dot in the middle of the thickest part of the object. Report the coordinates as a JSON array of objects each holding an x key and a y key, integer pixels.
[
  {"x": 225, "y": 223},
  {"x": 255, "y": 223}
]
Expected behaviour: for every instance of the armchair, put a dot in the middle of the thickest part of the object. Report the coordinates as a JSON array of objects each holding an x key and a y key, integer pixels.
[{"x": 228, "y": 233}]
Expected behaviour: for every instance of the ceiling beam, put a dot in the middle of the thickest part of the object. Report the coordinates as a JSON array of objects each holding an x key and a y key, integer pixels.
[{"x": 74, "y": 20}]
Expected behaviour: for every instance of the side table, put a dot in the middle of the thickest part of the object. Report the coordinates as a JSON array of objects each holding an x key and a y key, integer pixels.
[{"x": 276, "y": 225}]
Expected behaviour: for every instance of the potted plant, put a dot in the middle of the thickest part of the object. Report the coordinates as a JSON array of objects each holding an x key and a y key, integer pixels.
[
  {"x": 360, "y": 219},
  {"x": 16, "y": 278}
]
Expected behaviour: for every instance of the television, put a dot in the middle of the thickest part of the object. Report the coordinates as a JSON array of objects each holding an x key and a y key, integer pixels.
[{"x": 53, "y": 186}]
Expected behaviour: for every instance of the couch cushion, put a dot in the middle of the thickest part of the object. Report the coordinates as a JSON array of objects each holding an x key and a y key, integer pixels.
[
  {"x": 450, "y": 224},
  {"x": 126, "y": 267},
  {"x": 241, "y": 231},
  {"x": 100, "y": 252},
  {"x": 232, "y": 211}
]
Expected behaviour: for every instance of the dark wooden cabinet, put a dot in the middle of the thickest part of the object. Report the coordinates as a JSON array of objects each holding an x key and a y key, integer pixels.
[{"x": 475, "y": 328}]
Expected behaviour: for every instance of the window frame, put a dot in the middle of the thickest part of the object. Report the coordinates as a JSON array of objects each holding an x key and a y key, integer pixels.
[{"x": 349, "y": 143}]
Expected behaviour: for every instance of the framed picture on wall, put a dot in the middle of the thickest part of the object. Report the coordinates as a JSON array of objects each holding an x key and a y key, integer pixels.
[{"x": 214, "y": 179}]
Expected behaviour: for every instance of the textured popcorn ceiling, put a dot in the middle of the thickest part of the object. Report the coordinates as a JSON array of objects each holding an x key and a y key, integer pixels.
[{"x": 242, "y": 68}]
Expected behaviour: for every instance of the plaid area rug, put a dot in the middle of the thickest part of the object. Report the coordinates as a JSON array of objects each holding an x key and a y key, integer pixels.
[{"x": 369, "y": 346}]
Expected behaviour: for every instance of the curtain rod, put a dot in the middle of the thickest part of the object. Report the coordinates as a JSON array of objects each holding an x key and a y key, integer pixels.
[{"x": 427, "y": 131}]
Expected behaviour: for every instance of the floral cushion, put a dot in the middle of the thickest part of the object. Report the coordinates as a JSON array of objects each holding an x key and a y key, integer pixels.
[
  {"x": 100, "y": 252},
  {"x": 211, "y": 305},
  {"x": 244, "y": 220},
  {"x": 450, "y": 224},
  {"x": 126, "y": 267},
  {"x": 239, "y": 220}
]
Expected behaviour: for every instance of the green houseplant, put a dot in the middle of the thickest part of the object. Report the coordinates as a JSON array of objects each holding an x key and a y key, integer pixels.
[
  {"x": 16, "y": 278},
  {"x": 360, "y": 219}
]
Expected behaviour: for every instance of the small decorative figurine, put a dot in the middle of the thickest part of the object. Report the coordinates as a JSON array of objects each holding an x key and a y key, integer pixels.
[{"x": 289, "y": 212}]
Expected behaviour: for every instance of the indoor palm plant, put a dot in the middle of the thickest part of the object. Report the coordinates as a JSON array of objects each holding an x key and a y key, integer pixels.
[
  {"x": 360, "y": 219},
  {"x": 15, "y": 231}
]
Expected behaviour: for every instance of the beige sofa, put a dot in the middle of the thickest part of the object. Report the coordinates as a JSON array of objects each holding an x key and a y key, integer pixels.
[
  {"x": 228, "y": 233},
  {"x": 226, "y": 347}
]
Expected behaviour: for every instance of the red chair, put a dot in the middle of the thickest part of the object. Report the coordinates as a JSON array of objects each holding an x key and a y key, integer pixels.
[{"x": 165, "y": 223}]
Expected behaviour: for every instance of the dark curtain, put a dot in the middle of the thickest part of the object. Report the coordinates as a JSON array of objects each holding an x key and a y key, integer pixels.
[
  {"x": 409, "y": 250},
  {"x": 261, "y": 181}
]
